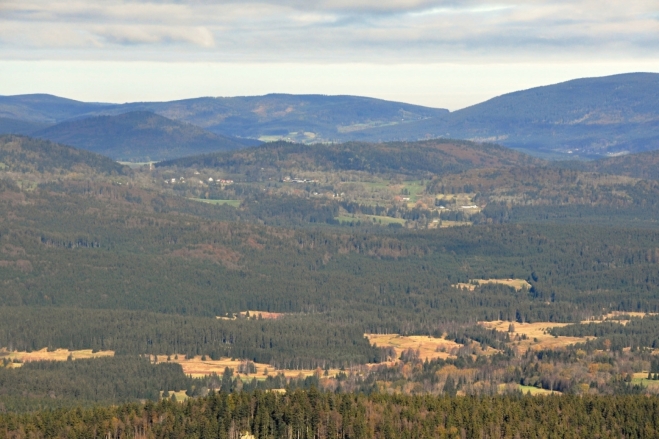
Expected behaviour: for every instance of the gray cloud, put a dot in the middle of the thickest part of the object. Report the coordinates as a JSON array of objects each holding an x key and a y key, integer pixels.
[{"x": 328, "y": 30}]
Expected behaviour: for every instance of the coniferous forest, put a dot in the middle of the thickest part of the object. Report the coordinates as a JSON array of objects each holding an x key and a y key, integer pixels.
[{"x": 357, "y": 290}]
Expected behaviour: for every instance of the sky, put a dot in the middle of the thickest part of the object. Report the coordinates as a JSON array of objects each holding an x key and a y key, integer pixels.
[{"x": 439, "y": 53}]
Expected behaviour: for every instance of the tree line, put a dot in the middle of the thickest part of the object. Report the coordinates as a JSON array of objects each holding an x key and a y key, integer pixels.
[{"x": 310, "y": 414}]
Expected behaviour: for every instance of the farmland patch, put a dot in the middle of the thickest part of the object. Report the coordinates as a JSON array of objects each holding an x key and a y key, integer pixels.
[
  {"x": 429, "y": 347},
  {"x": 56, "y": 355},
  {"x": 517, "y": 284},
  {"x": 198, "y": 367},
  {"x": 535, "y": 336}
]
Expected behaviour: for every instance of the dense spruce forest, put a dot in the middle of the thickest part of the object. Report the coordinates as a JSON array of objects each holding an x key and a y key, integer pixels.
[
  {"x": 312, "y": 414},
  {"x": 353, "y": 290},
  {"x": 52, "y": 384}
]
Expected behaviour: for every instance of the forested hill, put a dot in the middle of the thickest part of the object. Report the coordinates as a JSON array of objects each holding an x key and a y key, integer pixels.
[
  {"x": 642, "y": 165},
  {"x": 413, "y": 158},
  {"x": 137, "y": 136},
  {"x": 20, "y": 154}
]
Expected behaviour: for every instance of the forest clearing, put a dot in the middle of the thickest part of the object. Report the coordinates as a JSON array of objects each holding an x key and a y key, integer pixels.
[
  {"x": 56, "y": 355},
  {"x": 622, "y": 317},
  {"x": 534, "y": 335},
  {"x": 198, "y": 367},
  {"x": 517, "y": 284},
  {"x": 429, "y": 347}
]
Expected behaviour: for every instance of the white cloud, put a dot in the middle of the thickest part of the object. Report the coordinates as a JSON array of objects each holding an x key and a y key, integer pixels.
[
  {"x": 132, "y": 35},
  {"x": 385, "y": 31}
]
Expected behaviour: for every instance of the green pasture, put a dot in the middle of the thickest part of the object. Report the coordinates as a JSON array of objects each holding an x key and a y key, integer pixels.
[{"x": 233, "y": 203}]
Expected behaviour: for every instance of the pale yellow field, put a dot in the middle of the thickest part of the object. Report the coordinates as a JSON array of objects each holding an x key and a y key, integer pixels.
[
  {"x": 180, "y": 394},
  {"x": 198, "y": 368},
  {"x": 535, "y": 331},
  {"x": 504, "y": 388},
  {"x": 57, "y": 355},
  {"x": 614, "y": 314},
  {"x": 429, "y": 347},
  {"x": 517, "y": 284}
]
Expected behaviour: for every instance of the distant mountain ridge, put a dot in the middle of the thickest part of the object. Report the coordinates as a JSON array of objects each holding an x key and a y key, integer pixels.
[
  {"x": 585, "y": 118},
  {"x": 307, "y": 118},
  {"x": 137, "y": 136},
  {"x": 45, "y": 108}
]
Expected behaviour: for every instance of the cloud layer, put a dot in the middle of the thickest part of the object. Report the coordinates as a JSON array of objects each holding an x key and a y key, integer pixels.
[{"x": 382, "y": 31}]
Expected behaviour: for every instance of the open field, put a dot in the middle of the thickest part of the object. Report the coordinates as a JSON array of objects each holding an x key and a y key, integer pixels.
[
  {"x": 429, "y": 347},
  {"x": 517, "y": 284},
  {"x": 642, "y": 378},
  {"x": 180, "y": 394},
  {"x": 536, "y": 336},
  {"x": 415, "y": 189},
  {"x": 195, "y": 367},
  {"x": 234, "y": 203},
  {"x": 383, "y": 220},
  {"x": 535, "y": 391},
  {"x": 200, "y": 368},
  {"x": 615, "y": 317},
  {"x": 447, "y": 223},
  {"x": 56, "y": 355}
]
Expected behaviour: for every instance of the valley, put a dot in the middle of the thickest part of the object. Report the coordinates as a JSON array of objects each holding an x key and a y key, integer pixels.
[{"x": 438, "y": 267}]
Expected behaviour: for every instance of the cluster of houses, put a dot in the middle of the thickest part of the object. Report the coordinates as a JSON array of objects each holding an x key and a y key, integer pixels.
[
  {"x": 297, "y": 180},
  {"x": 210, "y": 180},
  {"x": 220, "y": 181}
]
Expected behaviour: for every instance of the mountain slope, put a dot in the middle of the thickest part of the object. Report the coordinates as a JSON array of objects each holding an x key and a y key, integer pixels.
[
  {"x": 27, "y": 155},
  {"x": 45, "y": 108},
  {"x": 643, "y": 165},
  {"x": 585, "y": 117},
  {"x": 137, "y": 136},
  {"x": 14, "y": 126}
]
